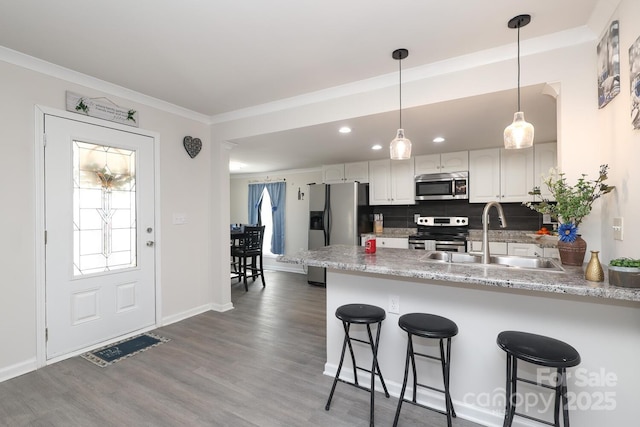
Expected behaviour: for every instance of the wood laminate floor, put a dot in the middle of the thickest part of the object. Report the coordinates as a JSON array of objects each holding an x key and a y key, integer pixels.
[{"x": 257, "y": 365}]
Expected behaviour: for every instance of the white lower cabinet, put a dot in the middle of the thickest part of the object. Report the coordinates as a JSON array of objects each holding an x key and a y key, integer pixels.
[
  {"x": 516, "y": 249},
  {"x": 495, "y": 248},
  {"x": 524, "y": 249},
  {"x": 390, "y": 242}
]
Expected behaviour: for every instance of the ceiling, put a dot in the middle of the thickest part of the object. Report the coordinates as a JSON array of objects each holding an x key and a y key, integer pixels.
[{"x": 218, "y": 57}]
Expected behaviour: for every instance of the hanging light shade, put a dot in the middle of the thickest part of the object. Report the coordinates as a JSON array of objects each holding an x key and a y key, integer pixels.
[
  {"x": 400, "y": 147},
  {"x": 518, "y": 134}
]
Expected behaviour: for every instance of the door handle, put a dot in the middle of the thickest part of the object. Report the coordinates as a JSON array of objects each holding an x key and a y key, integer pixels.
[{"x": 150, "y": 243}]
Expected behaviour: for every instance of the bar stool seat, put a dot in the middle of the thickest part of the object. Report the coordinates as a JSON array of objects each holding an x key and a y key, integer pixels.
[
  {"x": 434, "y": 327},
  {"x": 362, "y": 314},
  {"x": 542, "y": 351}
]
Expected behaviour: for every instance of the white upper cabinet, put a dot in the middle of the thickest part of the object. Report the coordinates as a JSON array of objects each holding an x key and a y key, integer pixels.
[
  {"x": 358, "y": 171},
  {"x": 516, "y": 175},
  {"x": 545, "y": 158},
  {"x": 345, "y": 172},
  {"x": 484, "y": 175},
  {"x": 499, "y": 174},
  {"x": 391, "y": 182},
  {"x": 442, "y": 163}
]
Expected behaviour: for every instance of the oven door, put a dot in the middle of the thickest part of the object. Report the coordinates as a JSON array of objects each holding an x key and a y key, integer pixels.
[
  {"x": 423, "y": 245},
  {"x": 451, "y": 246}
]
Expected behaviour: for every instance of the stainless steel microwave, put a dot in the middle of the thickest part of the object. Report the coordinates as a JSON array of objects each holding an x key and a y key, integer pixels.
[{"x": 442, "y": 186}]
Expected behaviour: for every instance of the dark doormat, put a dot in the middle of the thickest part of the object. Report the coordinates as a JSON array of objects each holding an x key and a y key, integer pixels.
[{"x": 113, "y": 353}]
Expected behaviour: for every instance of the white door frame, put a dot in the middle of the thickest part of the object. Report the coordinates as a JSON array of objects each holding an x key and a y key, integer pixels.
[{"x": 39, "y": 203}]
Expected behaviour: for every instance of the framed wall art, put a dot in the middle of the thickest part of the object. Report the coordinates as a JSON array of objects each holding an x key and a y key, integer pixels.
[
  {"x": 634, "y": 73},
  {"x": 609, "y": 65}
]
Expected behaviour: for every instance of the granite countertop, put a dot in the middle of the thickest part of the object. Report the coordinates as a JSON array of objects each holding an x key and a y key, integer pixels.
[
  {"x": 510, "y": 236},
  {"x": 395, "y": 262}
]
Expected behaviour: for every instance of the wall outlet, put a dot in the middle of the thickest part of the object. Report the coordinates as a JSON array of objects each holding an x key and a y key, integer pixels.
[
  {"x": 617, "y": 229},
  {"x": 394, "y": 304}
]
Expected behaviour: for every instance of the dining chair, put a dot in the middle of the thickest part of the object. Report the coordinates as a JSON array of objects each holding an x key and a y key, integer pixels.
[{"x": 248, "y": 252}]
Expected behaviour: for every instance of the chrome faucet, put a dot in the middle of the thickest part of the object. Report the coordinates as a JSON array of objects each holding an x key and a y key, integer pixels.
[{"x": 486, "y": 256}]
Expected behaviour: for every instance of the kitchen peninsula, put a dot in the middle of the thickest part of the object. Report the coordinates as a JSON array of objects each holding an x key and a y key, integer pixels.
[{"x": 601, "y": 321}]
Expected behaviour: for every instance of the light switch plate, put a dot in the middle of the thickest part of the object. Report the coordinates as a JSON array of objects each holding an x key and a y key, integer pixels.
[
  {"x": 179, "y": 218},
  {"x": 617, "y": 228}
]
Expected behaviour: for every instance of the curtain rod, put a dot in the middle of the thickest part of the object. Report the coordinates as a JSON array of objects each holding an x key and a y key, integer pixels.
[{"x": 267, "y": 180}]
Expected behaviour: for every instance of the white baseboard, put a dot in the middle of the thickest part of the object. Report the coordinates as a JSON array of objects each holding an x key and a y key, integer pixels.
[
  {"x": 465, "y": 411},
  {"x": 186, "y": 314},
  {"x": 18, "y": 369}
]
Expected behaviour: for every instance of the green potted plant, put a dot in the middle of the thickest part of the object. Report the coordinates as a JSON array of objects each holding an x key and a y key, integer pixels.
[
  {"x": 624, "y": 272},
  {"x": 570, "y": 204}
]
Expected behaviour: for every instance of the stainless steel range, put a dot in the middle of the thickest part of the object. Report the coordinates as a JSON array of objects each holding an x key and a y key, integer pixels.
[{"x": 440, "y": 233}]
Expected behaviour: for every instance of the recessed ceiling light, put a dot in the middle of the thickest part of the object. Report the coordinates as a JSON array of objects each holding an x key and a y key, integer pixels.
[
  {"x": 438, "y": 139},
  {"x": 377, "y": 147},
  {"x": 345, "y": 129}
]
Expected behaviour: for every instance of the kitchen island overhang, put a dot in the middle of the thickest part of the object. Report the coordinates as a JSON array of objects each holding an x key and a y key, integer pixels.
[{"x": 601, "y": 321}]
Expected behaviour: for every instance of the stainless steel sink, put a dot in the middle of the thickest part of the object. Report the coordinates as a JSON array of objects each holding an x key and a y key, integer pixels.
[{"x": 521, "y": 262}]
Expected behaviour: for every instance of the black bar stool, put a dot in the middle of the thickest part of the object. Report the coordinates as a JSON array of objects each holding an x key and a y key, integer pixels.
[
  {"x": 542, "y": 351},
  {"x": 362, "y": 314},
  {"x": 434, "y": 327}
]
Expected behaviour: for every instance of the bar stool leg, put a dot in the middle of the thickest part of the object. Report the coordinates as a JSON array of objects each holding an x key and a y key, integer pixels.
[
  {"x": 445, "y": 375},
  {"x": 335, "y": 380},
  {"x": 565, "y": 403},
  {"x": 558, "y": 397},
  {"x": 404, "y": 381},
  {"x": 375, "y": 358},
  {"x": 347, "y": 328},
  {"x": 512, "y": 376}
]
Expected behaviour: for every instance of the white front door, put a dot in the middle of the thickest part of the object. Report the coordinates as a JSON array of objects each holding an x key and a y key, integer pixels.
[{"x": 99, "y": 215}]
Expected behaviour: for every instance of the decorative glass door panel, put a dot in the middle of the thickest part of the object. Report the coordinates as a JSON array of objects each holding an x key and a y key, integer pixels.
[{"x": 104, "y": 208}]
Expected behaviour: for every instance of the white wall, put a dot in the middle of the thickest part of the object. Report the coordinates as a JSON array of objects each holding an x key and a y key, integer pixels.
[
  {"x": 620, "y": 147},
  {"x": 296, "y": 214},
  {"x": 185, "y": 252}
]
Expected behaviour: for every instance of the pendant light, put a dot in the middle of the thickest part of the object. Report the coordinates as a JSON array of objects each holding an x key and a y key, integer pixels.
[
  {"x": 518, "y": 134},
  {"x": 400, "y": 147}
]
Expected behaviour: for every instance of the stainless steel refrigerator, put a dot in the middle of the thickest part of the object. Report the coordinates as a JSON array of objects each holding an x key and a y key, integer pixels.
[{"x": 338, "y": 215}]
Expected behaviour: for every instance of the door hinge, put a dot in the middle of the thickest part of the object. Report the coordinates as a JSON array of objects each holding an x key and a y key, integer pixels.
[
  {"x": 46, "y": 334},
  {"x": 44, "y": 139},
  {"x": 45, "y": 237}
]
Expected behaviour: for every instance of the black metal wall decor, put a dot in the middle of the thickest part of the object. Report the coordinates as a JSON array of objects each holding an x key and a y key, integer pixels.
[{"x": 192, "y": 145}]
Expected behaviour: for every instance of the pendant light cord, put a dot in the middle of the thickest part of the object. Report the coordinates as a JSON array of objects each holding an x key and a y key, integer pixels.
[
  {"x": 519, "y": 67},
  {"x": 400, "y": 85}
]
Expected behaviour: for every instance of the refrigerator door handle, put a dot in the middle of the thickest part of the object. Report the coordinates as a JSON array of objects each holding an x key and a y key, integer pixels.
[{"x": 327, "y": 217}]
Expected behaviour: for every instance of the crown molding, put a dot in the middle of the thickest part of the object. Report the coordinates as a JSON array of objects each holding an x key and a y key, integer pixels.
[{"x": 34, "y": 64}]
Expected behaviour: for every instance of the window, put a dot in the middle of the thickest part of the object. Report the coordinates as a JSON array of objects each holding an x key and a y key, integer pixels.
[{"x": 266, "y": 219}]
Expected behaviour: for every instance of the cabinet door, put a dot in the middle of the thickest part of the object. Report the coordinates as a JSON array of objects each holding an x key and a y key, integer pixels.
[
  {"x": 495, "y": 248},
  {"x": 545, "y": 159},
  {"x": 380, "y": 182},
  {"x": 484, "y": 175},
  {"x": 333, "y": 174},
  {"x": 454, "y": 162},
  {"x": 427, "y": 164},
  {"x": 403, "y": 190},
  {"x": 551, "y": 253},
  {"x": 392, "y": 242},
  {"x": 523, "y": 249},
  {"x": 358, "y": 171},
  {"x": 516, "y": 175}
]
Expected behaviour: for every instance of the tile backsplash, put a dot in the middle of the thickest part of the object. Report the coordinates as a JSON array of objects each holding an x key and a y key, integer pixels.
[{"x": 519, "y": 217}]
